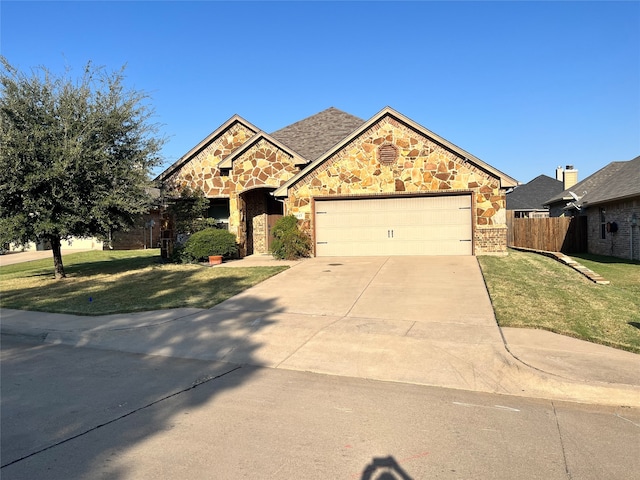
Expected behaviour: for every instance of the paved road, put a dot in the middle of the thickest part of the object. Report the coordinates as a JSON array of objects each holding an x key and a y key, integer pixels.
[{"x": 77, "y": 413}]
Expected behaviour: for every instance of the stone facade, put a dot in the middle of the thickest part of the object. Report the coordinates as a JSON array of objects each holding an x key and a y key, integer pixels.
[
  {"x": 262, "y": 167},
  {"x": 625, "y": 243},
  {"x": 255, "y": 170},
  {"x": 201, "y": 171},
  {"x": 389, "y": 155},
  {"x": 420, "y": 165}
]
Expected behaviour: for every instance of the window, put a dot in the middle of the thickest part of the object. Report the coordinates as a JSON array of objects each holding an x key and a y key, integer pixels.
[{"x": 603, "y": 224}]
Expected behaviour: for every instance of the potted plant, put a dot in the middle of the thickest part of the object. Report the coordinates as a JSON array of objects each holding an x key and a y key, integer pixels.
[{"x": 215, "y": 260}]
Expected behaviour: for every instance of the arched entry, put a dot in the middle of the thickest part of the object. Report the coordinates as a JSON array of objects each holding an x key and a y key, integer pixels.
[{"x": 261, "y": 210}]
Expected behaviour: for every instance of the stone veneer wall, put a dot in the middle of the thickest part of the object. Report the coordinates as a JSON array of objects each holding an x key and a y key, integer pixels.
[
  {"x": 202, "y": 171},
  {"x": 616, "y": 244},
  {"x": 262, "y": 166},
  {"x": 260, "y": 233},
  {"x": 421, "y": 166}
]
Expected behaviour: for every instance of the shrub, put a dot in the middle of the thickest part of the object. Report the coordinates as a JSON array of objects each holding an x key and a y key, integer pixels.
[
  {"x": 211, "y": 241},
  {"x": 289, "y": 242}
]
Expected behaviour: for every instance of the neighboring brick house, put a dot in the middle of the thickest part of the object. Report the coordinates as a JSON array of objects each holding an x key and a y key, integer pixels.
[
  {"x": 527, "y": 201},
  {"x": 386, "y": 186},
  {"x": 610, "y": 199}
]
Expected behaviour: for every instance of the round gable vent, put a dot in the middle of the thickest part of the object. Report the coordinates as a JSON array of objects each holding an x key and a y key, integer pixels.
[{"x": 387, "y": 154}]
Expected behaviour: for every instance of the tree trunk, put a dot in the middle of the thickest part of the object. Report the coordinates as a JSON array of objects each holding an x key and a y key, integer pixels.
[{"x": 57, "y": 257}]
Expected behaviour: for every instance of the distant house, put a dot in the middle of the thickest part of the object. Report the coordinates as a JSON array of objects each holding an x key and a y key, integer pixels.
[
  {"x": 145, "y": 232},
  {"x": 527, "y": 200},
  {"x": 610, "y": 199},
  {"x": 73, "y": 243}
]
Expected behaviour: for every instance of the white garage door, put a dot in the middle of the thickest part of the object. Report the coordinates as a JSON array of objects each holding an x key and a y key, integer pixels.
[{"x": 438, "y": 225}]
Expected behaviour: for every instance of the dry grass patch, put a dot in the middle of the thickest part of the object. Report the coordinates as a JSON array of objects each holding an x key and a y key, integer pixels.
[
  {"x": 534, "y": 291},
  {"x": 100, "y": 283}
]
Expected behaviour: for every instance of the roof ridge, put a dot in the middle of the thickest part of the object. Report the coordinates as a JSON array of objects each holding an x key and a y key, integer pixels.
[
  {"x": 312, "y": 136},
  {"x": 315, "y": 115}
]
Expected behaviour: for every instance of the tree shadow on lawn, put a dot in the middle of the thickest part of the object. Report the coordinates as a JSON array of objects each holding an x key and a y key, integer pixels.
[
  {"x": 84, "y": 268},
  {"x": 75, "y": 412},
  {"x": 151, "y": 289},
  {"x": 112, "y": 266}
]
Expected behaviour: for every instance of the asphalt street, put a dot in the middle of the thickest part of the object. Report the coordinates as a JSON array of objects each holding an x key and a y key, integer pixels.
[{"x": 77, "y": 413}]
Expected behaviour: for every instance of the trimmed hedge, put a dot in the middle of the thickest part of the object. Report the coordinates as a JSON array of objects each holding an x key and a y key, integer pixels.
[{"x": 210, "y": 241}]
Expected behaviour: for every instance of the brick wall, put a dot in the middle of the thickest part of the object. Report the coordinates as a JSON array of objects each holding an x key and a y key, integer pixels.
[
  {"x": 621, "y": 243},
  {"x": 139, "y": 236},
  {"x": 491, "y": 240}
]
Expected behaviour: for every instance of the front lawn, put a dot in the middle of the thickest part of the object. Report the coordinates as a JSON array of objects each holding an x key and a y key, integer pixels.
[
  {"x": 534, "y": 291},
  {"x": 104, "y": 282}
]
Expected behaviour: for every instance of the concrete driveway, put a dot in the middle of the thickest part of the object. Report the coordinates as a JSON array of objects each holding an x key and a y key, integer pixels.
[{"x": 424, "y": 320}]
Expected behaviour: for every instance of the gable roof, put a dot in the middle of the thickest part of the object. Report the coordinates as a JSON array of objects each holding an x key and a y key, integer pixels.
[
  {"x": 314, "y": 135},
  {"x": 227, "y": 162},
  {"x": 531, "y": 196},
  {"x": 505, "y": 180},
  {"x": 615, "y": 181},
  {"x": 206, "y": 141}
]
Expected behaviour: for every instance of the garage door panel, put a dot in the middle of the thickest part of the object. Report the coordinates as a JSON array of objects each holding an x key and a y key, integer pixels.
[{"x": 394, "y": 226}]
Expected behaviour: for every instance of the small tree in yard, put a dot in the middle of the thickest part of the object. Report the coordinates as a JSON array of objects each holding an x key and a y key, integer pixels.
[
  {"x": 76, "y": 155},
  {"x": 189, "y": 210},
  {"x": 289, "y": 242}
]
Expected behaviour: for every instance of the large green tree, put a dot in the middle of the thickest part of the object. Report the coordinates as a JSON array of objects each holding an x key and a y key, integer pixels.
[{"x": 76, "y": 155}]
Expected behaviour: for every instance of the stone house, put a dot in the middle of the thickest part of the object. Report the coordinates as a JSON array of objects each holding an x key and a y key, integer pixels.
[
  {"x": 610, "y": 199},
  {"x": 385, "y": 186}
]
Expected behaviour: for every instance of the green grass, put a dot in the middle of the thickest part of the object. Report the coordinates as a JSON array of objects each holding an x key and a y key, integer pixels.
[
  {"x": 105, "y": 282},
  {"x": 534, "y": 291}
]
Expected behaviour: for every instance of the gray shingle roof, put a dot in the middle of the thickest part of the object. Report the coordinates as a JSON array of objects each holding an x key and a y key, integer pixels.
[
  {"x": 531, "y": 196},
  {"x": 615, "y": 181},
  {"x": 314, "y": 135}
]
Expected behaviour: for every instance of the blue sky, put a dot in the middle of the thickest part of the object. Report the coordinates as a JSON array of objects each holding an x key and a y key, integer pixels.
[{"x": 525, "y": 86}]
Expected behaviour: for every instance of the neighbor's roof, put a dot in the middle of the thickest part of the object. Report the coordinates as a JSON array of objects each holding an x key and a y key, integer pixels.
[
  {"x": 531, "y": 196},
  {"x": 314, "y": 135},
  {"x": 505, "y": 180},
  {"x": 616, "y": 181}
]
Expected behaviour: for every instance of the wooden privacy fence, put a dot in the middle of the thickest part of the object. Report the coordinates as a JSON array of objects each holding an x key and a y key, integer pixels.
[{"x": 555, "y": 234}]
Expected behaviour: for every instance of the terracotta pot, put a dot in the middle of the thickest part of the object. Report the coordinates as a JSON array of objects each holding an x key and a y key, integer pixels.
[{"x": 215, "y": 259}]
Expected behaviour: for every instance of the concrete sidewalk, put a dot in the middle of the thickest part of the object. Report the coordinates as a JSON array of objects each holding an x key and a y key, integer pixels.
[
  {"x": 11, "y": 258},
  {"x": 388, "y": 318}
]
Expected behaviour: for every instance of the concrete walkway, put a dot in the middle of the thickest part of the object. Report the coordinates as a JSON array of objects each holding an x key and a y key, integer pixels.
[
  {"x": 11, "y": 258},
  {"x": 421, "y": 320}
]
